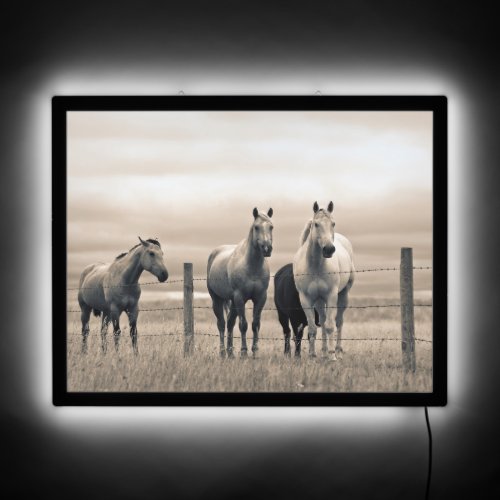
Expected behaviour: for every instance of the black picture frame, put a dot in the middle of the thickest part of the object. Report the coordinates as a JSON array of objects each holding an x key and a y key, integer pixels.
[{"x": 61, "y": 105}]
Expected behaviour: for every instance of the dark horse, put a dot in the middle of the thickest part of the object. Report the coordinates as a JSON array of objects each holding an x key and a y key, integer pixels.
[{"x": 287, "y": 301}]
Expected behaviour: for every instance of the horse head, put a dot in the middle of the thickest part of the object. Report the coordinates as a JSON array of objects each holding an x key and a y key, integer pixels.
[
  {"x": 322, "y": 229},
  {"x": 262, "y": 231},
  {"x": 152, "y": 259}
]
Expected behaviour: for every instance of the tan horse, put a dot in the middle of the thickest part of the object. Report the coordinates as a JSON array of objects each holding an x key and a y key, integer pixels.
[
  {"x": 324, "y": 272},
  {"x": 110, "y": 289},
  {"x": 238, "y": 273}
]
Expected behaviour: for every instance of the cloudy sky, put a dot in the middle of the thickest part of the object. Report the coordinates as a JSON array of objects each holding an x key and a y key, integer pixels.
[{"x": 191, "y": 179}]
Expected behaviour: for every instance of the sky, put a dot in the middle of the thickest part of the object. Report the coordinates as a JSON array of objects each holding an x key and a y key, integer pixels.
[{"x": 191, "y": 179}]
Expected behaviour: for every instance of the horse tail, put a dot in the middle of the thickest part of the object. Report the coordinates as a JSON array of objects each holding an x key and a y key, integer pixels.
[
  {"x": 96, "y": 312},
  {"x": 305, "y": 232},
  {"x": 84, "y": 274},
  {"x": 316, "y": 318},
  {"x": 211, "y": 259}
]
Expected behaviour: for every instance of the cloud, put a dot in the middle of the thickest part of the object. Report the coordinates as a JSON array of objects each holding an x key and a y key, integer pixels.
[
  {"x": 377, "y": 230},
  {"x": 192, "y": 180},
  {"x": 382, "y": 146}
]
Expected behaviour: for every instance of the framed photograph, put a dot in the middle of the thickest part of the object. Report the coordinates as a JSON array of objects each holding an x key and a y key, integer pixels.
[{"x": 249, "y": 250}]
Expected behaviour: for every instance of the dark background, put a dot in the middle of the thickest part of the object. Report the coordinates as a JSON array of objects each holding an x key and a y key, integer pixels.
[{"x": 223, "y": 48}]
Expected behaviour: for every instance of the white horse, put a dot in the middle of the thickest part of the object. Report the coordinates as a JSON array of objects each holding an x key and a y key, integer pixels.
[
  {"x": 324, "y": 272},
  {"x": 109, "y": 289},
  {"x": 238, "y": 273}
]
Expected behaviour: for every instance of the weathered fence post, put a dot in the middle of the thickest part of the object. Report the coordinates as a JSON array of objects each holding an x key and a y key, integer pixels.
[
  {"x": 188, "y": 309},
  {"x": 407, "y": 317}
]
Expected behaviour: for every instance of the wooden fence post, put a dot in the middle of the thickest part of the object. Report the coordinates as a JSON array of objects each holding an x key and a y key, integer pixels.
[
  {"x": 188, "y": 309},
  {"x": 407, "y": 316}
]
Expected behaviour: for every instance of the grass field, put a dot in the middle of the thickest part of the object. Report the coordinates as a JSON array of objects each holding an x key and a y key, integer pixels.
[{"x": 368, "y": 365}]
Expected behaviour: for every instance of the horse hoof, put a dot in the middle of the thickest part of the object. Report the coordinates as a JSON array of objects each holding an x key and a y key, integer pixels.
[
  {"x": 222, "y": 354},
  {"x": 243, "y": 354}
]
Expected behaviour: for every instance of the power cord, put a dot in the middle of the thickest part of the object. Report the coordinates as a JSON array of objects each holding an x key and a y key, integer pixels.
[{"x": 429, "y": 470}]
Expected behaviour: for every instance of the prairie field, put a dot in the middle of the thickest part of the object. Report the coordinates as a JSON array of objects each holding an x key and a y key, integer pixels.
[{"x": 372, "y": 360}]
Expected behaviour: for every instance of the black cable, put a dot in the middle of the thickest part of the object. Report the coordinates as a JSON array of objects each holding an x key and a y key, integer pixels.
[{"x": 430, "y": 454}]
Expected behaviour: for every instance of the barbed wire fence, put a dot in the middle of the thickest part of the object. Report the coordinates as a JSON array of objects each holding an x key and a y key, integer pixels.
[{"x": 406, "y": 305}]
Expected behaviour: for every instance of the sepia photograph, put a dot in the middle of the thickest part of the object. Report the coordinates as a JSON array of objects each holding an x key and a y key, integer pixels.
[{"x": 249, "y": 251}]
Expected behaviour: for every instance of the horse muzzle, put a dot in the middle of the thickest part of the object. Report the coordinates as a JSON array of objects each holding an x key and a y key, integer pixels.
[
  {"x": 328, "y": 251},
  {"x": 163, "y": 276},
  {"x": 267, "y": 250}
]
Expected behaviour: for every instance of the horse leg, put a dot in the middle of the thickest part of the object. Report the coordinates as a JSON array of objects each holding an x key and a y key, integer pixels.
[
  {"x": 239, "y": 305},
  {"x": 307, "y": 305},
  {"x": 298, "y": 332},
  {"x": 218, "y": 308},
  {"x": 322, "y": 312},
  {"x": 283, "y": 319},
  {"x": 132, "y": 318},
  {"x": 115, "y": 319},
  {"x": 231, "y": 320},
  {"x": 342, "y": 302},
  {"x": 258, "y": 305},
  {"x": 104, "y": 332},
  {"x": 85, "y": 317},
  {"x": 329, "y": 327}
]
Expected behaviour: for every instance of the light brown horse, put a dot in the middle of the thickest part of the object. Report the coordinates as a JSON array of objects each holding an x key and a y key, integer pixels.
[
  {"x": 238, "y": 273},
  {"x": 323, "y": 270},
  {"x": 110, "y": 289}
]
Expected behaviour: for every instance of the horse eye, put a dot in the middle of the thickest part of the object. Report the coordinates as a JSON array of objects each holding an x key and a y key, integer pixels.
[
  {"x": 152, "y": 254},
  {"x": 315, "y": 224}
]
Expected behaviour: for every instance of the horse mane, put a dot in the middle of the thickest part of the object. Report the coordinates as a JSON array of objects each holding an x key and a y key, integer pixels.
[
  {"x": 305, "y": 232},
  {"x": 307, "y": 228},
  {"x": 264, "y": 216},
  {"x": 149, "y": 240},
  {"x": 154, "y": 241}
]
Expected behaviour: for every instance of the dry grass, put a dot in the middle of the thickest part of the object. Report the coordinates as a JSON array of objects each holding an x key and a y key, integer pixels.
[{"x": 367, "y": 365}]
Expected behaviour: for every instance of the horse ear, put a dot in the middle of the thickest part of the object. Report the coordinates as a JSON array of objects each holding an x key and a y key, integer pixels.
[
  {"x": 255, "y": 212},
  {"x": 315, "y": 207},
  {"x": 330, "y": 207},
  {"x": 145, "y": 243},
  {"x": 270, "y": 213}
]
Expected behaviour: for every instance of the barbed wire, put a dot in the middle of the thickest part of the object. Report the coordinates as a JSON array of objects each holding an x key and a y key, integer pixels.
[
  {"x": 127, "y": 285},
  {"x": 204, "y": 278},
  {"x": 206, "y": 334},
  {"x": 180, "y": 308}
]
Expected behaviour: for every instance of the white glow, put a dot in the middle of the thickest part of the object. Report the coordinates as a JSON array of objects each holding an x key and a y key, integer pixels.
[{"x": 39, "y": 338}]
